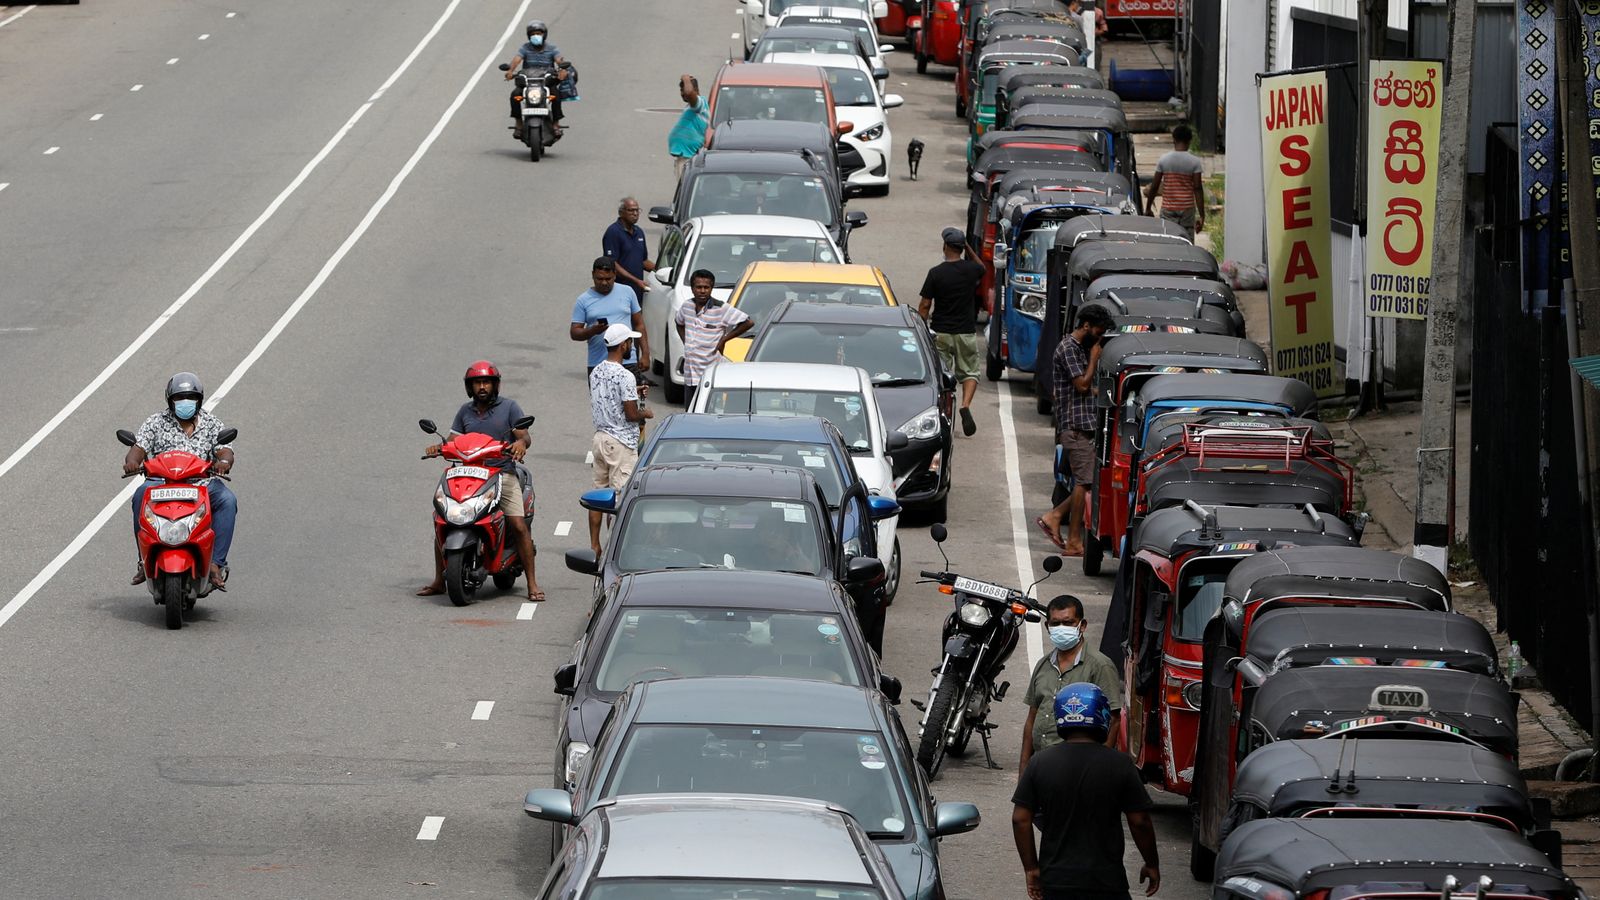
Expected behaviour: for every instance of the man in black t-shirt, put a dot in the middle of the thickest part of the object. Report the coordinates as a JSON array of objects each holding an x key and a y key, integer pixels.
[
  {"x": 1076, "y": 791},
  {"x": 950, "y": 306}
]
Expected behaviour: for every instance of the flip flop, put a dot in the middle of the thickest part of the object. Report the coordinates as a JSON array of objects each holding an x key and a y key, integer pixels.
[
  {"x": 1054, "y": 538},
  {"x": 429, "y": 590},
  {"x": 536, "y": 596}
]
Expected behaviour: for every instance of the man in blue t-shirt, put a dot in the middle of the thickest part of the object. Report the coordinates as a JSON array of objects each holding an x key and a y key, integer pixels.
[
  {"x": 624, "y": 242},
  {"x": 608, "y": 303},
  {"x": 537, "y": 53}
]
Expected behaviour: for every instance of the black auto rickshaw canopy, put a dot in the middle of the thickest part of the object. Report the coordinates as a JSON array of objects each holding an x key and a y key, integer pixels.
[
  {"x": 1170, "y": 316},
  {"x": 1068, "y": 197},
  {"x": 1289, "y": 636},
  {"x": 1088, "y": 141},
  {"x": 1048, "y": 95},
  {"x": 1309, "y": 856},
  {"x": 1050, "y": 181},
  {"x": 1030, "y": 51},
  {"x": 1171, "y": 429},
  {"x": 1029, "y": 25},
  {"x": 1338, "y": 574},
  {"x": 1236, "y": 530},
  {"x": 1121, "y": 229},
  {"x": 1130, "y": 286},
  {"x": 1006, "y": 158},
  {"x": 1289, "y": 395},
  {"x": 1297, "y": 484},
  {"x": 1174, "y": 354},
  {"x": 1019, "y": 77},
  {"x": 1060, "y": 114},
  {"x": 1093, "y": 259}
]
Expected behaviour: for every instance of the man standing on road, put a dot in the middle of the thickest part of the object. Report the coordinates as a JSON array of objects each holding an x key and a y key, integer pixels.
[
  {"x": 608, "y": 303},
  {"x": 1072, "y": 369},
  {"x": 624, "y": 242},
  {"x": 616, "y": 404},
  {"x": 1075, "y": 791},
  {"x": 705, "y": 327},
  {"x": 950, "y": 306},
  {"x": 688, "y": 135},
  {"x": 1071, "y": 660},
  {"x": 1179, "y": 185}
]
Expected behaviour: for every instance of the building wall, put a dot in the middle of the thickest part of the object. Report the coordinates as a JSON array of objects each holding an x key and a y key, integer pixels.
[{"x": 1242, "y": 218}]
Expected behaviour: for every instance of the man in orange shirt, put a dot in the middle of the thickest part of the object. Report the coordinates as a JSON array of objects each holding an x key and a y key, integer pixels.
[{"x": 1178, "y": 184}]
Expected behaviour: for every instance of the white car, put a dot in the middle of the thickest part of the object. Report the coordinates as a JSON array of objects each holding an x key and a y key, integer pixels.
[
  {"x": 851, "y": 18},
  {"x": 841, "y": 394},
  {"x": 858, "y": 102},
  {"x": 723, "y": 245},
  {"x": 759, "y": 15}
]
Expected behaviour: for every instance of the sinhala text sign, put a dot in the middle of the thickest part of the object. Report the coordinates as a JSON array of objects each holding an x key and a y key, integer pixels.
[
  {"x": 1402, "y": 175},
  {"x": 1294, "y": 156}
]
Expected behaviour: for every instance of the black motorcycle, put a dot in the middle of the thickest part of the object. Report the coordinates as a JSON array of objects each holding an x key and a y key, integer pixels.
[
  {"x": 979, "y": 636},
  {"x": 535, "y": 96}
]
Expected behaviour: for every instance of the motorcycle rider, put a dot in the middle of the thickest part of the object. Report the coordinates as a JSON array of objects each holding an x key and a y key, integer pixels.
[
  {"x": 537, "y": 53},
  {"x": 183, "y": 425},
  {"x": 486, "y": 412}
]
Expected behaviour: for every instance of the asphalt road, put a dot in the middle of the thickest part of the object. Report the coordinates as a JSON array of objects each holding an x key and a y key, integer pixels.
[{"x": 317, "y": 207}]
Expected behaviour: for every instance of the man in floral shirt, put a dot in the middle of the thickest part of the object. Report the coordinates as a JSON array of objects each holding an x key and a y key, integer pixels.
[{"x": 183, "y": 425}]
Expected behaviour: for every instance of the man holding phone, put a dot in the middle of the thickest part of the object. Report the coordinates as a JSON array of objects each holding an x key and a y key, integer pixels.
[
  {"x": 1072, "y": 369},
  {"x": 608, "y": 303}
]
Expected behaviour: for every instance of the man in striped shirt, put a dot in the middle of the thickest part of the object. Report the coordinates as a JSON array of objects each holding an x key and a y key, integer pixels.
[
  {"x": 1178, "y": 184},
  {"x": 705, "y": 326}
]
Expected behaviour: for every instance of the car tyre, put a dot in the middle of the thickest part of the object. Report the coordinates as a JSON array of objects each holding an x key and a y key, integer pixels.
[{"x": 891, "y": 584}]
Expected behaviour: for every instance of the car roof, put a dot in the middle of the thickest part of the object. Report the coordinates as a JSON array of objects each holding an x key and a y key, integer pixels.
[
  {"x": 768, "y": 271},
  {"x": 795, "y": 376},
  {"x": 771, "y": 75},
  {"x": 796, "y": 312},
  {"x": 827, "y": 11},
  {"x": 690, "y": 426},
  {"x": 762, "y": 226},
  {"x": 701, "y": 479},
  {"x": 825, "y": 60},
  {"x": 787, "y": 161},
  {"x": 755, "y": 700},
  {"x": 731, "y": 837},
  {"x": 799, "y": 30},
  {"x": 741, "y": 589}
]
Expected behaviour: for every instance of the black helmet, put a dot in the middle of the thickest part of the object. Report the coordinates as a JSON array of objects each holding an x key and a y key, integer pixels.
[
  {"x": 538, "y": 25},
  {"x": 184, "y": 384}
]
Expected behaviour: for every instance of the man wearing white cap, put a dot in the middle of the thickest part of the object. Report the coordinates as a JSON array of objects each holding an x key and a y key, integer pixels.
[{"x": 615, "y": 403}]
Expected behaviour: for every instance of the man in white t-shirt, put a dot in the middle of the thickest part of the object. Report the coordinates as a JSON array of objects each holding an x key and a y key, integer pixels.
[{"x": 617, "y": 407}]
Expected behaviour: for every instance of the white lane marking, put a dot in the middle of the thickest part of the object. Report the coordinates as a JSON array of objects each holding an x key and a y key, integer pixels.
[
  {"x": 430, "y": 828},
  {"x": 1032, "y": 635},
  {"x": 4, "y": 185},
  {"x": 20, "y": 329},
  {"x": 527, "y": 611},
  {"x": 173, "y": 61},
  {"x": 734, "y": 36},
  {"x": 588, "y": 458},
  {"x": 563, "y": 529},
  {"x": 137, "y": 87},
  {"x": 230, "y": 15},
  {"x": 227, "y": 255},
  {"x": 97, "y": 117},
  {"x": 480, "y": 713},
  {"x": 204, "y": 36},
  {"x": 51, "y": 150},
  {"x": 126, "y": 494},
  {"x": 25, "y": 11}
]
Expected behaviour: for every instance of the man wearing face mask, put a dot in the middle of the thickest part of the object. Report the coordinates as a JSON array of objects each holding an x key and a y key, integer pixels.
[
  {"x": 1070, "y": 659},
  {"x": 183, "y": 425},
  {"x": 537, "y": 53}
]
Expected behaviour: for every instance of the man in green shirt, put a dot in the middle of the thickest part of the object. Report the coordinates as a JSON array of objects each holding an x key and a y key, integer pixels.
[
  {"x": 1071, "y": 659},
  {"x": 688, "y": 135}
]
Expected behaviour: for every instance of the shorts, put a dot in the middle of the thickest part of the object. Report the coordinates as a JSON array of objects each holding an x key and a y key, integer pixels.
[
  {"x": 1078, "y": 449},
  {"x": 613, "y": 461},
  {"x": 1183, "y": 218},
  {"x": 959, "y": 353},
  {"x": 511, "y": 493}
]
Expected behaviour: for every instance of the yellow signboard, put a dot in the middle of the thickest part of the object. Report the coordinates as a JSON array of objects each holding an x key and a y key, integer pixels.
[
  {"x": 1294, "y": 150},
  {"x": 1402, "y": 173}
]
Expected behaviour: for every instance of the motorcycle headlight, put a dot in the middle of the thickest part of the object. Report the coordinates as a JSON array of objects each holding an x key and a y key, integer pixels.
[
  {"x": 923, "y": 425},
  {"x": 1031, "y": 305},
  {"x": 871, "y": 134},
  {"x": 975, "y": 614},
  {"x": 465, "y": 512},
  {"x": 173, "y": 531},
  {"x": 576, "y": 752}
]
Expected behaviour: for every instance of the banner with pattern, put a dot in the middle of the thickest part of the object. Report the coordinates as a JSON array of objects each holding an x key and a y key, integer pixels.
[{"x": 1537, "y": 134}]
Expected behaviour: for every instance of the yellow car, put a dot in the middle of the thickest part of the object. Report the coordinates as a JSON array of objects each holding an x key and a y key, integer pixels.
[{"x": 766, "y": 285}]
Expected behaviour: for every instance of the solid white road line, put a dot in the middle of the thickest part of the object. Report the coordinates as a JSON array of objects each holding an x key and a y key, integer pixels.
[
  {"x": 10, "y": 19},
  {"x": 51, "y": 150},
  {"x": 480, "y": 713},
  {"x": 563, "y": 529},
  {"x": 137, "y": 87},
  {"x": 430, "y": 828},
  {"x": 227, "y": 255},
  {"x": 1032, "y": 635},
  {"x": 526, "y": 611},
  {"x": 123, "y": 498},
  {"x": 96, "y": 117}
]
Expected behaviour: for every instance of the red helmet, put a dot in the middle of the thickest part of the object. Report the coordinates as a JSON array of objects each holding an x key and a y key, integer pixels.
[{"x": 481, "y": 369}]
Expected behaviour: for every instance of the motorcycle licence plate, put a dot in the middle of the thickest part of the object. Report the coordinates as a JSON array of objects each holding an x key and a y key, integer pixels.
[
  {"x": 536, "y": 112},
  {"x": 981, "y": 588},
  {"x": 478, "y": 472},
  {"x": 174, "y": 493}
]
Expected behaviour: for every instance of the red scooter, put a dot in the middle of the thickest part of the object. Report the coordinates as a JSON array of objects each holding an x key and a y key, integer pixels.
[
  {"x": 175, "y": 534},
  {"x": 466, "y": 514}
]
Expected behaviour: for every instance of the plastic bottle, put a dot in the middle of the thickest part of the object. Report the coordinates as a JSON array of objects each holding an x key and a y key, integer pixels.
[{"x": 1514, "y": 662}]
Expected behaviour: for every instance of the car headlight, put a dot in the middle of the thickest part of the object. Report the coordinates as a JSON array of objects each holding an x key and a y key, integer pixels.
[
  {"x": 465, "y": 512},
  {"x": 576, "y": 752},
  {"x": 1031, "y": 305},
  {"x": 871, "y": 134},
  {"x": 1193, "y": 693},
  {"x": 173, "y": 531},
  {"x": 923, "y": 425},
  {"x": 975, "y": 614}
]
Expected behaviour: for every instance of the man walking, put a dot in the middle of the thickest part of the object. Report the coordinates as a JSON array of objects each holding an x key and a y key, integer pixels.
[
  {"x": 705, "y": 327},
  {"x": 624, "y": 242},
  {"x": 617, "y": 408},
  {"x": 688, "y": 135},
  {"x": 603, "y": 305},
  {"x": 950, "y": 306},
  {"x": 1070, "y": 660},
  {"x": 1075, "y": 791},
  {"x": 1179, "y": 185},
  {"x": 1072, "y": 369}
]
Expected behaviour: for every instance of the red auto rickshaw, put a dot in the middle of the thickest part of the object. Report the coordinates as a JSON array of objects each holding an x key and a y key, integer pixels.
[
  {"x": 900, "y": 13},
  {"x": 934, "y": 33}
]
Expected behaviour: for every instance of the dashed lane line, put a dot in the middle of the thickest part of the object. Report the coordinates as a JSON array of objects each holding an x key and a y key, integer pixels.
[
  {"x": 173, "y": 61},
  {"x": 480, "y": 713},
  {"x": 588, "y": 458},
  {"x": 563, "y": 529},
  {"x": 97, "y": 117},
  {"x": 137, "y": 87},
  {"x": 9, "y": 19},
  {"x": 526, "y": 611},
  {"x": 205, "y": 37},
  {"x": 51, "y": 150},
  {"x": 430, "y": 828}
]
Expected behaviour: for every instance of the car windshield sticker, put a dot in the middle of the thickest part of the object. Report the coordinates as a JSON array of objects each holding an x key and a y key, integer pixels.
[
  {"x": 893, "y": 824},
  {"x": 831, "y": 632},
  {"x": 1350, "y": 661},
  {"x": 905, "y": 333},
  {"x": 792, "y": 512},
  {"x": 870, "y": 753},
  {"x": 814, "y": 462}
]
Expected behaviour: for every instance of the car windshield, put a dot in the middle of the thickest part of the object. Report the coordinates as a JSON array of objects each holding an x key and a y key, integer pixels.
[
  {"x": 771, "y": 45},
  {"x": 1200, "y": 596},
  {"x": 726, "y": 255},
  {"x": 851, "y": 87},
  {"x": 888, "y": 353},
  {"x": 1036, "y": 243},
  {"x": 800, "y": 196},
  {"x": 814, "y": 458},
  {"x": 760, "y": 298},
  {"x": 850, "y": 768},
  {"x": 719, "y": 533},
  {"x": 660, "y": 643},
  {"x": 844, "y": 410},
  {"x": 706, "y": 889},
  {"x": 788, "y": 104}
]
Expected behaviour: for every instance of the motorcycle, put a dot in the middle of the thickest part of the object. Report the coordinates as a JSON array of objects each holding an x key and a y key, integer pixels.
[
  {"x": 467, "y": 519},
  {"x": 174, "y": 534},
  {"x": 537, "y": 96},
  {"x": 979, "y": 636}
]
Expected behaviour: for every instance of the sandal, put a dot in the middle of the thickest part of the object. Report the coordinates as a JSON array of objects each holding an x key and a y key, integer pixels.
[
  {"x": 536, "y": 596},
  {"x": 1055, "y": 538},
  {"x": 219, "y": 578}
]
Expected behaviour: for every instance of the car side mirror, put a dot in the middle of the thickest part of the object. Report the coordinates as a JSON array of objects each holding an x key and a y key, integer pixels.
[
  {"x": 583, "y": 561},
  {"x": 661, "y": 215},
  {"x": 951, "y": 818},
  {"x": 600, "y": 500},
  {"x": 125, "y": 437},
  {"x": 566, "y": 680},
  {"x": 505, "y": 67},
  {"x": 882, "y": 507},
  {"x": 1000, "y": 252},
  {"x": 890, "y": 687},
  {"x": 886, "y": 48},
  {"x": 844, "y": 128},
  {"x": 880, "y": 9},
  {"x": 664, "y": 274},
  {"x": 864, "y": 570},
  {"x": 227, "y": 436},
  {"x": 428, "y": 426},
  {"x": 893, "y": 101},
  {"x": 855, "y": 218},
  {"x": 754, "y": 7},
  {"x": 880, "y": 73},
  {"x": 551, "y": 805},
  {"x": 897, "y": 440}
]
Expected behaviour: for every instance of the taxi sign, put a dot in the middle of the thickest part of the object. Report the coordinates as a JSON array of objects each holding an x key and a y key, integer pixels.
[{"x": 1399, "y": 697}]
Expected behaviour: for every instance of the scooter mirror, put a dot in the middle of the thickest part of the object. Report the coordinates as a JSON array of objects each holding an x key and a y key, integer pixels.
[
  {"x": 125, "y": 437},
  {"x": 428, "y": 426},
  {"x": 523, "y": 423},
  {"x": 1052, "y": 564},
  {"x": 505, "y": 67},
  {"x": 938, "y": 532},
  {"x": 227, "y": 435}
]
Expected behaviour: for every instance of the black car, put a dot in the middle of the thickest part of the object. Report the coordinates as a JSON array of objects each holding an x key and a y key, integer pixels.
[
  {"x": 708, "y": 622},
  {"x": 811, "y": 140},
  {"x": 915, "y": 393}
]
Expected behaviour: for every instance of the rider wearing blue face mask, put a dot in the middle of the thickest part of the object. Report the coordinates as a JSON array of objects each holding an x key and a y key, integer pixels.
[
  {"x": 1070, "y": 659},
  {"x": 183, "y": 425},
  {"x": 537, "y": 53}
]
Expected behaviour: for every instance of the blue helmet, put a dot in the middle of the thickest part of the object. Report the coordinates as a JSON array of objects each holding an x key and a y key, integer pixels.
[{"x": 1083, "y": 705}]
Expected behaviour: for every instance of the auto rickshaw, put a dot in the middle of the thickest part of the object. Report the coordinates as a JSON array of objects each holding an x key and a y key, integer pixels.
[
  {"x": 934, "y": 33},
  {"x": 1164, "y": 317},
  {"x": 978, "y": 89},
  {"x": 1019, "y": 77},
  {"x": 988, "y": 171},
  {"x": 1137, "y": 285},
  {"x": 1061, "y": 116},
  {"x": 899, "y": 13},
  {"x": 977, "y": 20},
  {"x": 1384, "y": 859},
  {"x": 983, "y": 75},
  {"x": 1087, "y": 141}
]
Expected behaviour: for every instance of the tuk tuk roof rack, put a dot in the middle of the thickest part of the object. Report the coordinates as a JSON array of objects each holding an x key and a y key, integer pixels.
[{"x": 1207, "y": 443}]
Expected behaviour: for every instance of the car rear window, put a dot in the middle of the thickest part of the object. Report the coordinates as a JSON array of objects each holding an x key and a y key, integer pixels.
[
  {"x": 658, "y": 642},
  {"x": 787, "y": 104}
]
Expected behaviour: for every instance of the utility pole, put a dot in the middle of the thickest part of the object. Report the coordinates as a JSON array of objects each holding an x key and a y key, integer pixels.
[{"x": 1436, "y": 454}]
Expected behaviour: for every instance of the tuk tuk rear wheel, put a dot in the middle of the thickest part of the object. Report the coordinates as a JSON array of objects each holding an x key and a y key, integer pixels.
[
  {"x": 1041, "y": 395},
  {"x": 994, "y": 367}
]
